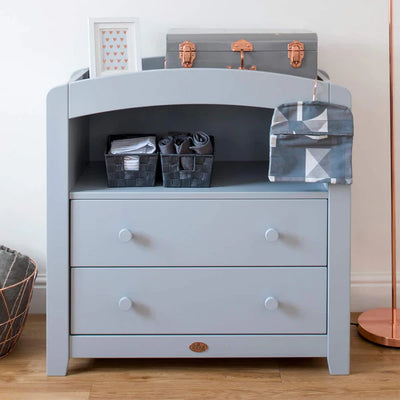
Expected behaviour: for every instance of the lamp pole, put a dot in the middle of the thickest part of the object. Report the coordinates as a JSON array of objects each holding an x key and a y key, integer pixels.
[{"x": 381, "y": 325}]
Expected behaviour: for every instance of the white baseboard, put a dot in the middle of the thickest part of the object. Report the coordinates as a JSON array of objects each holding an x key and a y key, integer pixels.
[
  {"x": 370, "y": 291},
  {"x": 367, "y": 291},
  {"x": 38, "y": 302}
]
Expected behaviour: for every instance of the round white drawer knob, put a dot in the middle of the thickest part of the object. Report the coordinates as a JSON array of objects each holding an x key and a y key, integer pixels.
[
  {"x": 271, "y": 304},
  {"x": 125, "y": 303},
  {"x": 271, "y": 235},
  {"x": 125, "y": 235}
]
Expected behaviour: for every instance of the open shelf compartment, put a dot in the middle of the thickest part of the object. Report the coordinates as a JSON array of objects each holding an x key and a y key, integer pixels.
[{"x": 230, "y": 180}]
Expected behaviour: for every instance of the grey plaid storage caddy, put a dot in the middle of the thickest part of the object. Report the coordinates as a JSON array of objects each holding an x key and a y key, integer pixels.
[{"x": 311, "y": 142}]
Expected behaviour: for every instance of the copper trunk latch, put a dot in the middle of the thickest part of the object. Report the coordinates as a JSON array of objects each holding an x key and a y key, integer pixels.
[
  {"x": 296, "y": 53},
  {"x": 187, "y": 53},
  {"x": 242, "y": 45}
]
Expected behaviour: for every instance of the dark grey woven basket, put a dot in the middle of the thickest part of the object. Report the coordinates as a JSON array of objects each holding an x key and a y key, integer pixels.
[
  {"x": 175, "y": 176},
  {"x": 117, "y": 176}
]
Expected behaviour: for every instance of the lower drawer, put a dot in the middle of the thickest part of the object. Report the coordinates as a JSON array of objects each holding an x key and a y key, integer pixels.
[{"x": 198, "y": 301}]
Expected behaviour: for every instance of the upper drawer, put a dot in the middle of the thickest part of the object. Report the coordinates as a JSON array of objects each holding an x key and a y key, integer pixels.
[{"x": 198, "y": 232}]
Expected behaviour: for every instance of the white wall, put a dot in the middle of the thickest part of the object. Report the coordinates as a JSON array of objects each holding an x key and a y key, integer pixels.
[{"x": 44, "y": 41}]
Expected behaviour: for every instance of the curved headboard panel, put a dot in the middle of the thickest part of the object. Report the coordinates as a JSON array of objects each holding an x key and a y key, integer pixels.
[{"x": 195, "y": 86}]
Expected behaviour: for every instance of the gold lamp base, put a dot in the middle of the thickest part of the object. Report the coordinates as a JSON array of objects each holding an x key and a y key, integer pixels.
[{"x": 376, "y": 326}]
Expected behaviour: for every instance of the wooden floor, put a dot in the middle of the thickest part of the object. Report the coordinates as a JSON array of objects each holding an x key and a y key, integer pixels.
[{"x": 375, "y": 374}]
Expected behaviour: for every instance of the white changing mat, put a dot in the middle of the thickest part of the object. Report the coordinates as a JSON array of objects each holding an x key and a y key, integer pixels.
[{"x": 139, "y": 145}]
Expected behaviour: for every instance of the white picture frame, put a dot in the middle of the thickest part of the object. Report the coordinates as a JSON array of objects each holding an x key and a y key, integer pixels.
[{"x": 114, "y": 46}]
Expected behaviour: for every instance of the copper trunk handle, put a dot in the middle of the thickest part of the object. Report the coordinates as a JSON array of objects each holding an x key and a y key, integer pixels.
[{"x": 242, "y": 45}]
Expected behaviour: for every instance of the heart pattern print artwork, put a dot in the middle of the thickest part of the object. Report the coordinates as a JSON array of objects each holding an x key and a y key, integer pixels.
[{"x": 114, "y": 50}]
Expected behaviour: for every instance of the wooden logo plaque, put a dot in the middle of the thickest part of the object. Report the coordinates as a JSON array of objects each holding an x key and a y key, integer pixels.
[{"x": 198, "y": 347}]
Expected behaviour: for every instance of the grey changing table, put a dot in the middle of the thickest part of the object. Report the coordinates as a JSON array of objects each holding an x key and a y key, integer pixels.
[{"x": 245, "y": 268}]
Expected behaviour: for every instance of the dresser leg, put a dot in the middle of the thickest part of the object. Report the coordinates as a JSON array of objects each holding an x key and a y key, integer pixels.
[
  {"x": 339, "y": 363},
  {"x": 57, "y": 365},
  {"x": 57, "y": 348}
]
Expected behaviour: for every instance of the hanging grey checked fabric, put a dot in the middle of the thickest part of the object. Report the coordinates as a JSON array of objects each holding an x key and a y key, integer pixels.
[{"x": 311, "y": 142}]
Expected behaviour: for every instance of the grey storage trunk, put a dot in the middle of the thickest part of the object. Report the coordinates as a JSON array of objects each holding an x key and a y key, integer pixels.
[{"x": 268, "y": 50}]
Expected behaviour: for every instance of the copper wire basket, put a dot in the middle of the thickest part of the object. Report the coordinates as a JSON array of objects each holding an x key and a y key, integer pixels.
[{"x": 14, "y": 306}]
